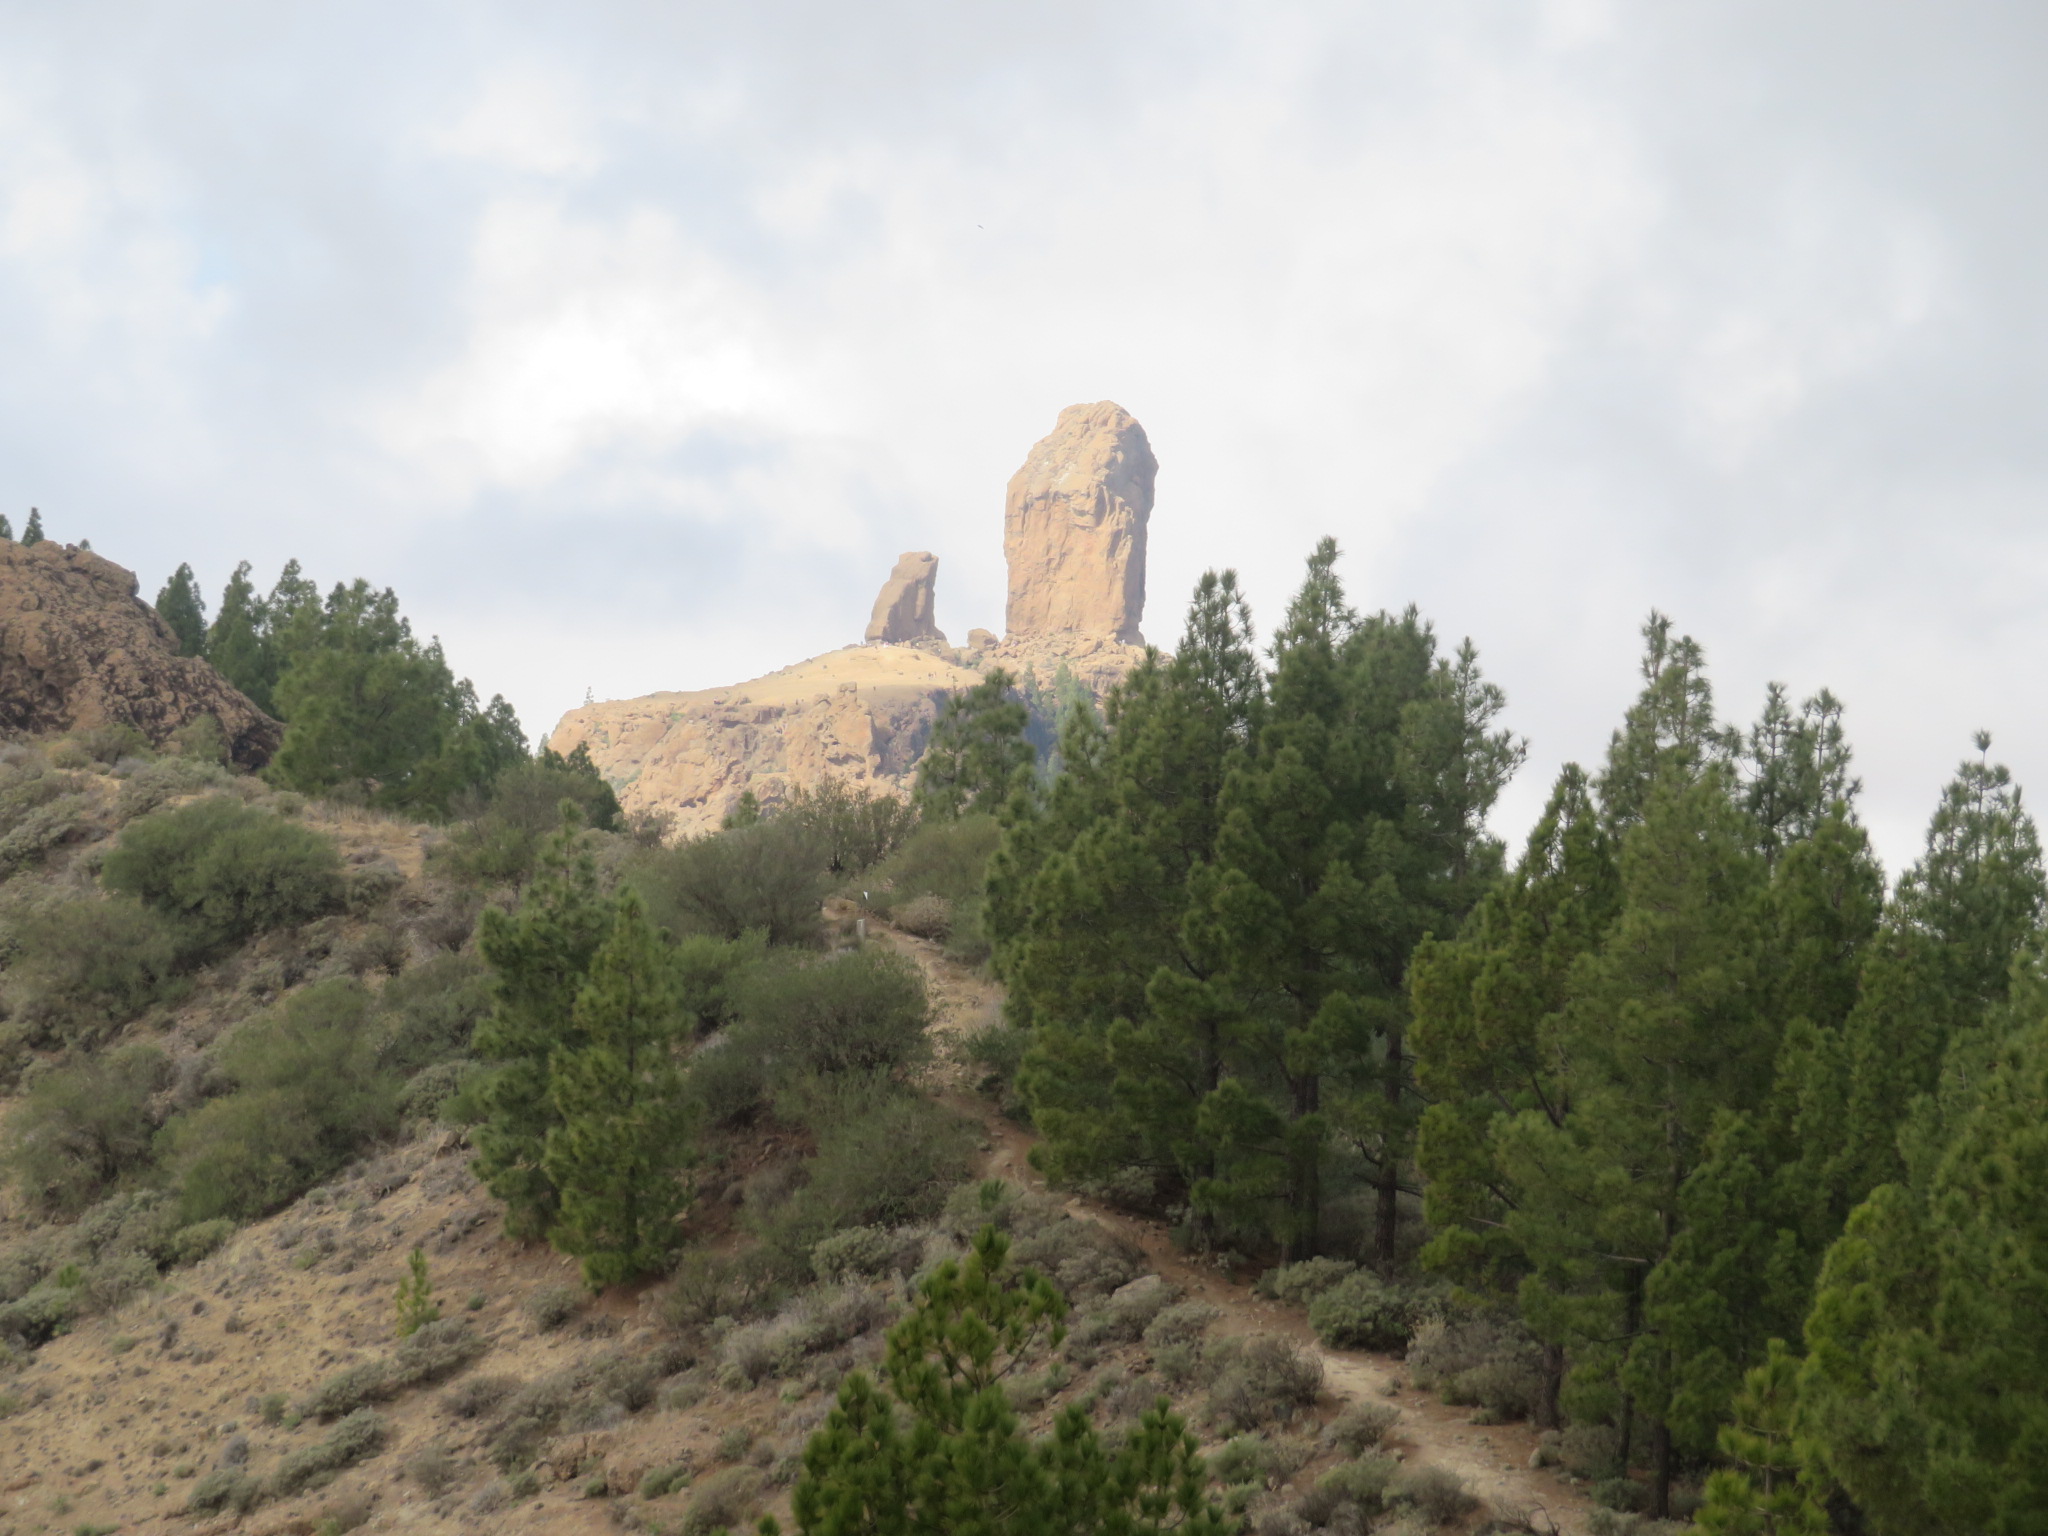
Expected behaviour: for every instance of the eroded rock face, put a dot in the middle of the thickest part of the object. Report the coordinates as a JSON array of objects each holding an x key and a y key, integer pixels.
[
  {"x": 903, "y": 611},
  {"x": 862, "y": 715},
  {"x": 1074, "y": 529},
  {"x": 79, "y": 649}
]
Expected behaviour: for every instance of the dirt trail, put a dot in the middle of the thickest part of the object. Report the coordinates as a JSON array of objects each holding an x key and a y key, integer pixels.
[{"x": 1492, "y": 1459}]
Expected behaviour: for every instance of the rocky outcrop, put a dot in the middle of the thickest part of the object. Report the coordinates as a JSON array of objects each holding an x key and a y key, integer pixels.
[
  {"x": 862, "y": 715},
  {"x": 1074, "y": 529},
  {"x": 903, "y": 611},
  {"x": 79, "y": 649}
]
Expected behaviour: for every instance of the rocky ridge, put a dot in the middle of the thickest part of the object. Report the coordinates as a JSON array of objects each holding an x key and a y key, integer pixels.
[
  {"x": 1074, "y": 538},
  {"x": 79, "y": 649}
]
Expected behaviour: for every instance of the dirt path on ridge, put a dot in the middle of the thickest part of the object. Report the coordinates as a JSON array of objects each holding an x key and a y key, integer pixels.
[{"x": 1492, "y": 1459}]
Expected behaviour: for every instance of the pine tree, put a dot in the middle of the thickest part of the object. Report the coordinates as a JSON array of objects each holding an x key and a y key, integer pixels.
[
  {"x": 6, "y": 529},
  {"x": 1765, "y": 1493},
  {"x": 416, "y": 1304},
  {"x": 33, "y": 533},
  {"x": 978, "y": 755},
  {"x": 1670, "y": 729},
  {"x": 181, "y": 606},
  {"x": 948, "y": 1457},
  {"x": 621, "y": 1136},
  {"x": 1942, "y": 963},
  {"x": 1087, "y": 900},
  {"x": 235, "y": 641},
  {"x": 1926, "y": 1384},
  {"x": 541, "y": 957}
]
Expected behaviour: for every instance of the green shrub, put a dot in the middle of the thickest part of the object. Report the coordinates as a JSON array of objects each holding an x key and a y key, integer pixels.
[
  {"x": 883, "y": 1159},
  {"x": 765, "y": 878},
  {"x": 660, "y": 1482},
  {"x": 1489, "y": 1362},
  {"x": 1121, "y": 1318},
  {"x": 223, "y": 1489},
  {"x": 356, "y": 1438},
  {"x": 1361, "y": 1426},
  {"x": 1182, "y": 1323},
  {"x": 431, "y": 1011},
  {"x": 708, "y": 1286},
  {"x": 434, "y": 1352},
  {"x": 849, "y": 828},
  {"x": 1263, "y": 1381},
  {"x": 111, "y": 741},
  {"x": 225, "y": 871},
  {"x": 1436, "y": 1493},
  {"x": 40, "y": 809},
  {"x": 437, "y": 1093},
  {"x": 478, "y": 1395},
  {"x": 722, "y": 1501},
  {"x": 193, "y": 1242},
  {"x": 726, "y": 1082},
  {"x": 1363, "y": 1481},
  {"x": 553, "y": 1305},
  {"x": 87, "y": 966},
  {"x": 81, "y": 1129},
  {"x": 859, "y": 1012},
  {"x": 944, "y": 860},
  {"x": 713, "y": 974},
  {"x": 1296, "y": 1285},
  {"x": 1363, "y": 1311},
  {"x": 499, "y": 836},
  {"x": 862, "y": 1251},
  {"x": 308, "y": 1097},
  {"x": 813, "y": 1323}
]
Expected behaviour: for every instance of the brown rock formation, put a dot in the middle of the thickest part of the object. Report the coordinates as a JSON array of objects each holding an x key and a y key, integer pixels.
[
  {"x": 862, "y": 714},
  {"x": 78, "y": 649},
  {"x": 903, "y": 611},
  {"x": 1074, "y": 528}
]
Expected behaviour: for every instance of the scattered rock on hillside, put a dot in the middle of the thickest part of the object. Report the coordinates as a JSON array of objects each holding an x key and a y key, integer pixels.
[
  {"x": 1074, "y": 528},
  {"x": 903, "y": 611},
  {"x": 79, "y": 649}
]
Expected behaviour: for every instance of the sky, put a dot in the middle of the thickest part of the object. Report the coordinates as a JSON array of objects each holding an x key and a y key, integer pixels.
[{"x": 632, "y": 342}]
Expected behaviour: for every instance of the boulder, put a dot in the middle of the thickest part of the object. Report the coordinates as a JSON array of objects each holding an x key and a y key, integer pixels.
[
  {"x": 79, "y": 648},
  {"x": 903, "y": 611},
  {"x": 1074, "y": 528}
]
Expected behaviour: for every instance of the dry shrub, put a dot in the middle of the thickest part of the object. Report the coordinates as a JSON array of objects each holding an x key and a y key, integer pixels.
[
  {"x": 1480, "y": 1361},
  {"x": 928, "y": 917},
  {"x": 355, "y": 1438},
  {"x": 722, "y": 1501},
  {"x": 1296, "y": 1285},
  {"x": 1438, "y": 1494},
  {"x": 1262, "y": 1381}
]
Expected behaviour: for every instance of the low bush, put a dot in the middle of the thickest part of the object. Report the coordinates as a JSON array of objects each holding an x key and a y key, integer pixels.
[
  {"x": 708, "y": 1286},
  {"x": 1487, "y": 1362},
  {"x": 713, "y": 975},
  {"x": 884, "y": 1158},
  {"x": 722, "y": 1502},
  {"x": 356, "y": 1438},
  {"x": 82, "y": 1129},
  {"x": 1257, "y": 1461},
  {"x": 1263, "y": 1381},
  {"x": 85, "y": 967},
  {"x": 1296, "y": 1285},
  {"x": 478, "y": 1395},
  {"x": 1361, "y": 1426},
  {"x": 1182, "y": 1323},
  {"x": 225, "y": 871},
  {"x": 553, "y": 1305},
  {"x": 498, "y": 835},
  {"x": 943, "y": 861},
  {"x": 225, "y": 1488},
  {"x": 1362, "y": 1311},
  {"x": 817, "y": 1321},
  {"x": 1080, "y": 1257},
  {"x": 434, "y": 1352},
  {"x": 1438, "y": 1494},
  {"x": 309, "y": 1096},
  {"x": 865, "y": 1251},
  {"x": 1362, "y": 1482},
  {"x": 926, "y": 917},
  {"x": 433, "y": 1470},
  {"x": 1122, "y": 1317},
  {"x": 766, "y": 878},
  {"x": 850, "y": 828},
  {"x": 1622, "y": 1494},
  {"x": 660, "y": 1482},
  {"x": 41, "y": 808},
  {"x": 861, "y": 1012},
  {"x": 431, "y": 1011}
]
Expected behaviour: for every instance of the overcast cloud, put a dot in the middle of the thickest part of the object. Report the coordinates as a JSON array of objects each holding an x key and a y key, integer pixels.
[{"x": 631, "y": 343}]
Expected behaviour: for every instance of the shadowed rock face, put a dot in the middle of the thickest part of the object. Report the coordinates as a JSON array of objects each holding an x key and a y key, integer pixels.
[
  {"x": 1074, "y": 528},
  {"x": 903, "y": 611},
  {"x": 79, "y": 649}
]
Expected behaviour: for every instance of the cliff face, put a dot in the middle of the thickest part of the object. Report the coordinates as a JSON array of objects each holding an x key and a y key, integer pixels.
[
  {"x": 1074, "y": 536},
  {"x": 1074, "y": 528},
  {"x": 79, "y": 649},
  {"x": 861, "y": 715}
]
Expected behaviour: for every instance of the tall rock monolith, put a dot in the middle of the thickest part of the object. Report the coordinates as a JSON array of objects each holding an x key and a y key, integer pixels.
[
  {"x": 903, "y": 610},
  {"x": 1074, "y": 529}
]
